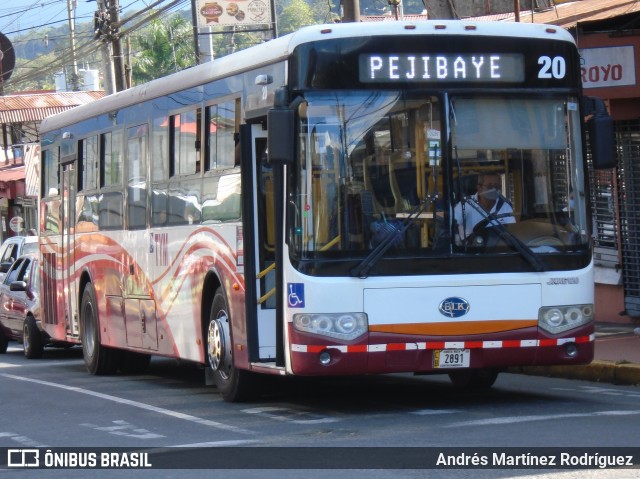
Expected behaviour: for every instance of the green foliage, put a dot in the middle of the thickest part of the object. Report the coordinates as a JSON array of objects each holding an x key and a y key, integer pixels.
[
  {"x": 297, "y": 14},
  {"x": 162, "y": 48}
]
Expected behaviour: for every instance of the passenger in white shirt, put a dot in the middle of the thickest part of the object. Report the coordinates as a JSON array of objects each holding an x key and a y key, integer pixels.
[{"x": 488, "y": 198}]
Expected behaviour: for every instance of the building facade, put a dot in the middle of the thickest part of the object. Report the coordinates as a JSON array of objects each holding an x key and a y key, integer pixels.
[{"x": 20, "y": 117}]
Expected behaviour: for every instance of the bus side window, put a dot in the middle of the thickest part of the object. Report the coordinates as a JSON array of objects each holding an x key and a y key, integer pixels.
[
  {"x": 184, "y": 143},
  {"x": 222, "y": 125},
  {"x": 110, "y": 210},
  {"x": 111, "y": 160},
  {"x": 224, "y": 204},
  {"x": 88, "y": 163},
  {"x": 137, "y": 174},
  {"x": 50, "y": 179}
]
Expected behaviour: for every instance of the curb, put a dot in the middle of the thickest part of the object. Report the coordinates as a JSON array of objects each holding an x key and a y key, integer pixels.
[{"x": 614, "y": 372}]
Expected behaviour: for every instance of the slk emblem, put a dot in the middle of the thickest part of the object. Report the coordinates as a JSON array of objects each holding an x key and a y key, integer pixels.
[{"x": 454, "y": 307}]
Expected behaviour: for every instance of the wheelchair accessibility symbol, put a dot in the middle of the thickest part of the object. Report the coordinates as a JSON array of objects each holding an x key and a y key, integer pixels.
[{"x": 296, "y": 295}]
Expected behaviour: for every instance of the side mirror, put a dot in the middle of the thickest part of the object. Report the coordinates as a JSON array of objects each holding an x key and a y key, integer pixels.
[
  {"x": 18, "y": 286},
  {"x": 4, "y": 267},
  {"x": 281, "y": 134},
  {"x": 601, "y": 134}
]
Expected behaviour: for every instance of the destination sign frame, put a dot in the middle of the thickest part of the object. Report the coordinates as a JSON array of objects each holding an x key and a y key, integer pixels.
[{"x": 442, "y": 68}]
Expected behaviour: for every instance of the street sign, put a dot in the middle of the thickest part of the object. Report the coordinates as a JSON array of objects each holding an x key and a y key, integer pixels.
[{"x": 16, "y": 224}]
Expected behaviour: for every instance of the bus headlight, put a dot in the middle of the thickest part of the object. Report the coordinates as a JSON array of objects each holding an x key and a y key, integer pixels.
[
  {"x": 557, "y": 319},
  {"x": 344, "y": 326}
]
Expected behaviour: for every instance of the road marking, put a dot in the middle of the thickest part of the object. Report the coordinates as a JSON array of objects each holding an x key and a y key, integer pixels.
[
  {"x": 129, "y": 402},
  {"x": 39, "y": 364},
  {"x": 218, "y": 443},
  {"x": 22, "y": 440},
  {"x": 124, "y": 428},
  {"x": 433, "y": 412},
  {"x": 289, "y": 415},
  {"x": 518, "y": 419}
]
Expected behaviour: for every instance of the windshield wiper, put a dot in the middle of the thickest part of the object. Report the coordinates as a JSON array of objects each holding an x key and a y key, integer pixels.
[
  {"x": 363, "y": 269},
  {"x": 506, "y": 236}
]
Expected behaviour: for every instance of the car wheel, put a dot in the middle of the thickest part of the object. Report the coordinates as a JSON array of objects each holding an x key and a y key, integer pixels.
[
  {"x": 4, "y": 343},
  {"x": 32, "y": 339},
  {"x": 98, "y": 359},
  {"x": 235, "y": 385}
]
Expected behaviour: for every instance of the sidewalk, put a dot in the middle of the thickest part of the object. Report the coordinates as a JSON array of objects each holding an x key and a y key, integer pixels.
[{"x": 617, "y": 358}]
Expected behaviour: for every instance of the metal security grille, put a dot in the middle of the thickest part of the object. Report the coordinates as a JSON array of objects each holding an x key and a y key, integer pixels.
[
  {"x": 605, "y": 224},
  {"x": 628, "y": 143}
]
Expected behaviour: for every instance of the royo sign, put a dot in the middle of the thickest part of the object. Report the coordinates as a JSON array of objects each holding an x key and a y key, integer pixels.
[
  {"x": 454, "y": 307},
  {"x": 608, "y": 66}
]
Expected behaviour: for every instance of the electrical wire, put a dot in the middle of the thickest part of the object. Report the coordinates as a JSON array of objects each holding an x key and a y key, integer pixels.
[{"x": 89, "y": 48}]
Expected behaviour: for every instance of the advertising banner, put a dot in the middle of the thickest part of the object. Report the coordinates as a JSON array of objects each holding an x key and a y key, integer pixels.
[{"x": 233, "y": 12}]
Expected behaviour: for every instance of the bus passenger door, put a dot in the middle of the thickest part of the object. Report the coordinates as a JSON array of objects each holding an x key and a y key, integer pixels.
[
  {"x": 68, "y": 218},
  {"x": 259, "y": 245}
]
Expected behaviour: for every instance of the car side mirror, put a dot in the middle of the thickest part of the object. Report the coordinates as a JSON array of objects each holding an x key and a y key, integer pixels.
[
  {"x": 4, "y": 267},
  {"x": 18, "y": 286}
]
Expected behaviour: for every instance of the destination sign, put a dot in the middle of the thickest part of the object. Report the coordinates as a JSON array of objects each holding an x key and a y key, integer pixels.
[{"x": 435, "y": 68}]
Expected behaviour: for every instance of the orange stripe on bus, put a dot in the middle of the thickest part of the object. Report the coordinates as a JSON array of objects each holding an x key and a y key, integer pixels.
[{"x": 454, "y": 328}]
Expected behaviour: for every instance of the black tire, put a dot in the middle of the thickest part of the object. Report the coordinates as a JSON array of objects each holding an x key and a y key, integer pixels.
[
  {"x": 4, "y": 343},
  {"x": 474, "y": 378},
  {"x": 98, "y": 359},
  {"x": 235, "y": 385},
  {"x": 32, "y": 339}
]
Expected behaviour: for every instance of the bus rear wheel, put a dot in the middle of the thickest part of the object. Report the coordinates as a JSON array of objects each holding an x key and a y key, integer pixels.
[
  {"x": 98, "y": 359},
  {"x": 235, "y": 385}
]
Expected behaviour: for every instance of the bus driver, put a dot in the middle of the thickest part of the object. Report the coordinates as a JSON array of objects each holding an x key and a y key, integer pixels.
[{"x": 488, "y": 198}]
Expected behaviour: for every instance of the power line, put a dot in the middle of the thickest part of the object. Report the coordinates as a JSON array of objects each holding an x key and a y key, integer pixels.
[{"x": 90, "y": 47}]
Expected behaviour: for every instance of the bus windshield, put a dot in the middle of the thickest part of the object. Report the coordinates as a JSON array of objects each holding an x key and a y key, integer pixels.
[{"x": 434, "y": 177}]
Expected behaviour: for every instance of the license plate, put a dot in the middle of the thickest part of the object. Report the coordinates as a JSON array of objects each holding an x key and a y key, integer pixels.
[{"x": 451, "y": 358}]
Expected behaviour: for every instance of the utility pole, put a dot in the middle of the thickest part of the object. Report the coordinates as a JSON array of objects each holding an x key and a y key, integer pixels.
[
  {"x": 100, "y": 28},
  {"x": 196, "y": 30},
  {"x": 118, "y": 56},
  {"x": 516, "y": 9},
  {"x": 107, "y": 31},
  {"x": 350, "y": 11},
  {"x": 71, "y": 8}
]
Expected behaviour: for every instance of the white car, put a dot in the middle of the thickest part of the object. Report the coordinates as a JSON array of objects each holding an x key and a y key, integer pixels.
[{"x": 14, "y": 247}]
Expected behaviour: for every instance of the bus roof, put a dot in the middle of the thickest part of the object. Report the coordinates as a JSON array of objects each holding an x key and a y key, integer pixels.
[{"x": 280, "y": 48}]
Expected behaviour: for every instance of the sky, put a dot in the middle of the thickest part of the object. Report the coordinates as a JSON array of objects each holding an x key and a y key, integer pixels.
[{"x": 18, "y": 16}]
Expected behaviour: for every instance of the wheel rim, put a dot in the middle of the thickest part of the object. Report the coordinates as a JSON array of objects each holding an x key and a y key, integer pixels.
[
  {"x": 88, "y": 341},
  {"x": 218, "y": 351},
  {"x": 25, "y": 338}
]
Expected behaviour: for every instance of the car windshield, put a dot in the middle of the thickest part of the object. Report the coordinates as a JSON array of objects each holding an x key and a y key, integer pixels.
[{"x": 30, "y": 247}]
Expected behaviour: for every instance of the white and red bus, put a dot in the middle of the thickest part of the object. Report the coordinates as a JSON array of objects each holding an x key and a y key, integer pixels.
[{"x": 293, "y": 209}]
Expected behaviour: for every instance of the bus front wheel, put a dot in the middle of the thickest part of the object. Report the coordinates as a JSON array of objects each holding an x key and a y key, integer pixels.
[
  {"x": 233, "y": 384},
  {"x": 97, "y": 358}
]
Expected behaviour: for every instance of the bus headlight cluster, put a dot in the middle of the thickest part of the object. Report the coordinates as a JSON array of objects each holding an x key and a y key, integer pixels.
[
  {"x": 557, "y": 319},
  {"x": 345, "y": 326}
]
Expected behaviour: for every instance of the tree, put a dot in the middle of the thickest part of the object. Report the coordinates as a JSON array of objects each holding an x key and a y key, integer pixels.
[
  {"x": 162, "y": 48},
  {"x": 295, "y": 15}
]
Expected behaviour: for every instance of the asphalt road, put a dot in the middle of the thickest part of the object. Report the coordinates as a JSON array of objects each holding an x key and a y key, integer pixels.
[{"x": 54, "y": 403}]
